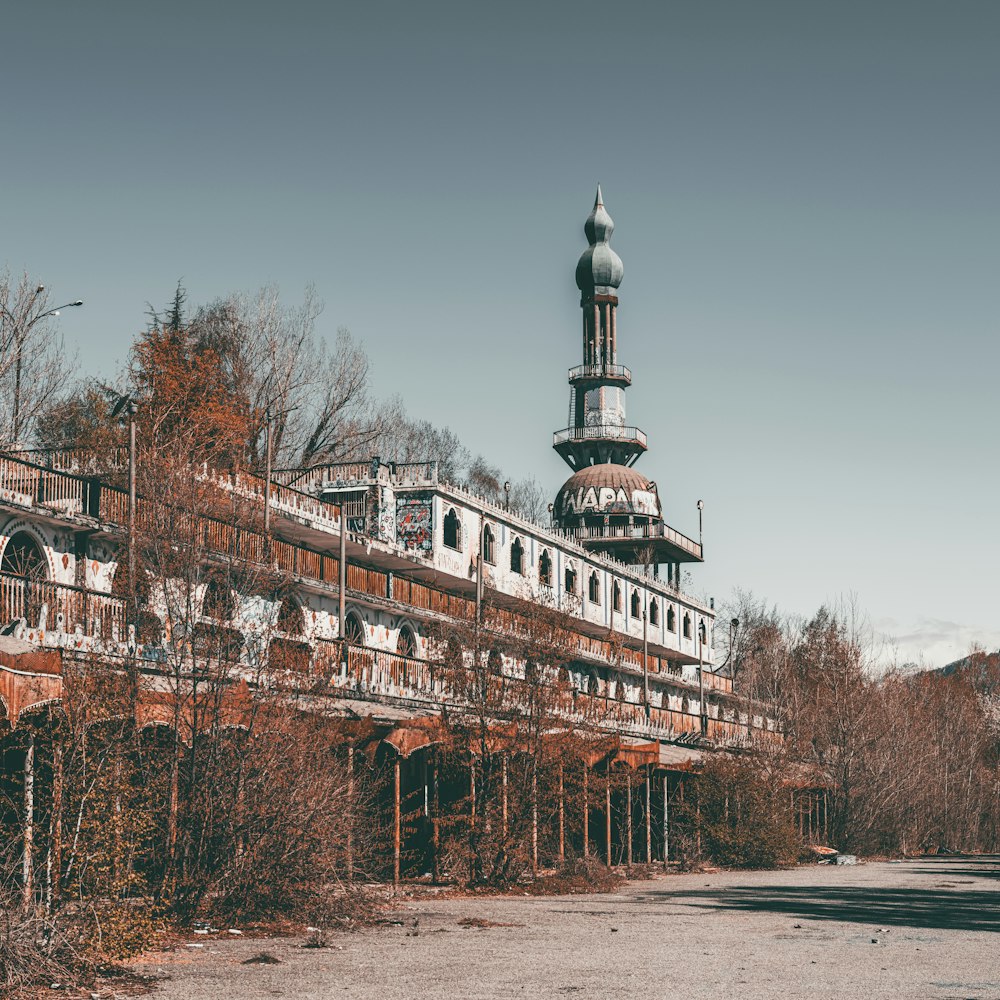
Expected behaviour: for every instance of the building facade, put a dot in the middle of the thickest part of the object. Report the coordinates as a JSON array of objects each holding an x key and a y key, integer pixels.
[{"x": 376, "y": 559}]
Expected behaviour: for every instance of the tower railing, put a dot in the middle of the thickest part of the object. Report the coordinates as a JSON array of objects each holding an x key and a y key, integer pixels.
[{"x": 617, "y": 372}]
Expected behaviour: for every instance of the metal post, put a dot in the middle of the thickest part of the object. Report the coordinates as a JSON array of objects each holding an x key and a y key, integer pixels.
[
  {"x": 562, "y": 816},
  {"x": 503, "y": 794},
  {"x": 350, "y": 812},
  {"x": 479, "y": 574},
  {"x": 55, "y": 824},
  {"x": 28, "y": 867},
  {"x": 267, "y": 479},
  {"x": 645, "y": 640},
  {"x": 396, "y": 824},
  {"x": 666, "y": 819},
  {"x": 435, "y": 822},
  {"x": 628, "y": 816},
  {"x": 649, "y": 818},
  {"x": 534, "y": 818},
  {"x": 342, "y": 583},
  {"x": 131, "y": 508},
  {"x": 607, "y": 813},
  {"x": 701, "y": 685},
  {"x": 586, "y": 814}
]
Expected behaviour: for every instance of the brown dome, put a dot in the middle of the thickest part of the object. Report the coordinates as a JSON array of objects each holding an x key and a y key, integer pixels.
[{"x": 606, "y": 489}]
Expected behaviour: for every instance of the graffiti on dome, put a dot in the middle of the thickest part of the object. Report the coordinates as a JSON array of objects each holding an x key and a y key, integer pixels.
[{"x": 609, "y": 500}]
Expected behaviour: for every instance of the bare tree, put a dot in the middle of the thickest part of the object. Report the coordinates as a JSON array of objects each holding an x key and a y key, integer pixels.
[{"x": 34, "y": 366}]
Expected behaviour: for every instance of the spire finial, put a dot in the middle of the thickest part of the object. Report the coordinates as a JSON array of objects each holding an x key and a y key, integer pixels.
[{"x": 599, "y": 200}]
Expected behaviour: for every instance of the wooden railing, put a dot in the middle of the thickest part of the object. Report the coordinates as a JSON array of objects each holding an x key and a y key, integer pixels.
[
  {"x": 97, "y": 614},
  {"x": 376, "y": 672}
]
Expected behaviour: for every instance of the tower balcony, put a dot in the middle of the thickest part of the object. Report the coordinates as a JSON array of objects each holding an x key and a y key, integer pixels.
[
  {"x": 602, "y": 374},
  {"x": 583, "y": 446},
  {"x": 601, "y": 432}
]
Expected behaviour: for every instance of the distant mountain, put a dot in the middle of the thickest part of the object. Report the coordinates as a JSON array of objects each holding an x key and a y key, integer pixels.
[{"x": 982, "y": 669}]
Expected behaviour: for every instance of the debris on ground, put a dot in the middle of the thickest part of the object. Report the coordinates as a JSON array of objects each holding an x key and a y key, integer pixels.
[
  {"x": 262, "y": 958},
  {"x": 481, "y": 924}
]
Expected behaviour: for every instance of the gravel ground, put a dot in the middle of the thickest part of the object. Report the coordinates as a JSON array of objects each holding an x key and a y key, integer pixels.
[{"x": 925, "y": 929}]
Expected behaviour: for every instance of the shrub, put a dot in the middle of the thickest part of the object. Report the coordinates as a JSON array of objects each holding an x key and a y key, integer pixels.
[{"x": 741, "y": 810}]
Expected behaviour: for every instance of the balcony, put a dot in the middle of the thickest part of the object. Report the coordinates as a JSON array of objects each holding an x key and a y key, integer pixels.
[
  {"x": 614, "y": 374},
  {"x": 655, "y": 531},
  {"x": 602, "y": 432}
]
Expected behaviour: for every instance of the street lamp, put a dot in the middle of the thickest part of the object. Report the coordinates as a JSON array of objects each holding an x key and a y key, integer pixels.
[
  {"x": 21, "y": 331},
  {"x": 701, "y": 508}
]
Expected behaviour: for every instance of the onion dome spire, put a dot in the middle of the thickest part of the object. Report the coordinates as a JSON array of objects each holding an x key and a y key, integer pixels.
[{"x": 599, "y": 269}]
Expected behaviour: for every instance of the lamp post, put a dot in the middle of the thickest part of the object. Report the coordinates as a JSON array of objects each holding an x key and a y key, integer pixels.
[
  {"x": 701, "y": 543},
  {"x": 130, "y": 407},
  {"x": 267, "y": 481},
  {"x": 701, "y": 682},
  {"x": 21, "y": 331}
]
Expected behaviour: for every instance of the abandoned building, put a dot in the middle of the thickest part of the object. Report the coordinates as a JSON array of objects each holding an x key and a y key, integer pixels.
[{"x": 379, "y": 558}]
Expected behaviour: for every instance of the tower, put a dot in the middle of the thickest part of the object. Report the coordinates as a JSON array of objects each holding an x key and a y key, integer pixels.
[
  {"x": 606, "y": 504},
  {"x": 597, "y": 433}
]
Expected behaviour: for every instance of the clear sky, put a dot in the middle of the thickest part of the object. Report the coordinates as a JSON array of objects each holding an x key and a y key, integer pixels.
[{"x": 807, "y": 202}]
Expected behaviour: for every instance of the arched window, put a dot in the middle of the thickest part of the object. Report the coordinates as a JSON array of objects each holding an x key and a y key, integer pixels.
[
  {"x": 23, "y": 556},
  {"x": 687, "y": 626},
  {"x": 570, "y": 579},
  {"x": 593, "y": 683},
  {"x": 545, "y": 568},
  {"x": 291, "y": 620},
  {"x": 517, "y": 556},
  {"x": 354, "y": 630},
  {"x": 531, "y": 672},
  {"x": 616, "y": 596},
  {"x": 635, "y": 605},
  {"x": 563, "y": 676},
  {"x": 654, "y": 612},
  {"x": 452, "y": 530},
  {"x": 594, "y": 589},
  {"x": 702, "y": 633},
  {"x": 218, "y": 601},
  {"x": 494, "y": 662},
  {"x": 489, "y": 545},
  {"x": 406, "y": 642},
  {"x": 620, "y": 688},
  {"x": 671, "y": 620}
]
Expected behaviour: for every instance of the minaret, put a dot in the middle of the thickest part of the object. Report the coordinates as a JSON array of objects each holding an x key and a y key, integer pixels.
[
  {"x": 597, "y": 433},
  {"x": 606, "y": 505}
]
